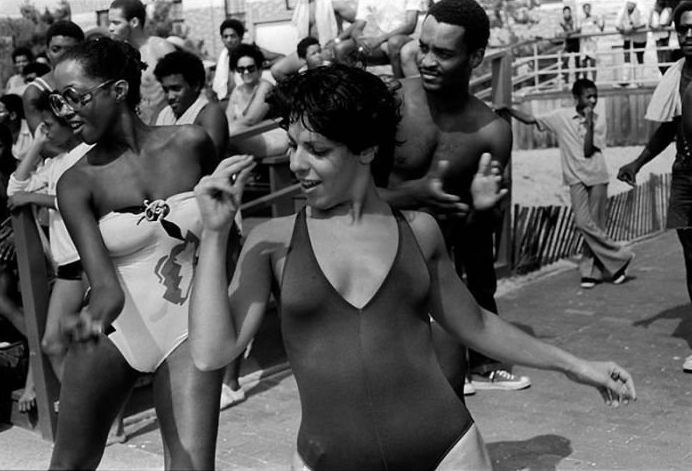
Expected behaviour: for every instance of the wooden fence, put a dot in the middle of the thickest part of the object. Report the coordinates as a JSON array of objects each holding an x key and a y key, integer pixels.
[{"x": 545, "y": 234}]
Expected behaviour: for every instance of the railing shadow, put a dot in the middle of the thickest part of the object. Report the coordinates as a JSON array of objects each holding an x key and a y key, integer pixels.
[{"x": 540, "y": 453}]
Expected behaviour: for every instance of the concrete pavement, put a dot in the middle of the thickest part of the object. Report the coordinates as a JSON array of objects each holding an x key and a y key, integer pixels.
[{"x": 645, "y": 325}]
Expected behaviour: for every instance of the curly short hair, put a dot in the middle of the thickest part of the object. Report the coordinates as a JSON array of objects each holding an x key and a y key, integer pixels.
[
  {"x": 22, "y": 51},
  {"x": 304, "y": 44},
  {"x": 184, "y": 63},
  {"x": 234, "y": 24},
  {"x": 131, "y": 9},
  {"x": 468, "y": 14},
  {"x": 580, "y": 85},
  {"x": 346, "y": 105},
  {"x": 64, "y": 28},
  {"x": 684, "y": 6},
  {"x": 107, "y": 59},
  {"x": 246, "y": 50}
]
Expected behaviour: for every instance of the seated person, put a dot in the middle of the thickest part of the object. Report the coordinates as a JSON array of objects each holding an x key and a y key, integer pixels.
[
  {"x": 182, "y": 78},
  {"x": 320, "y": 19},
  {"x": 381, "y": 29},
  {"x": 21, "y": 57},
  {"x": 247, "y": 105},
  {"x": 310, "y": 51},
  {"x": 232, "y": 32},
  {"x": 309, "y": 54}
]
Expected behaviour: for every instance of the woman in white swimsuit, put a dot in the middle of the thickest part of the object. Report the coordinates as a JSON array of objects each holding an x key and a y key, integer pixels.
[{"x": 130, "y": 210}]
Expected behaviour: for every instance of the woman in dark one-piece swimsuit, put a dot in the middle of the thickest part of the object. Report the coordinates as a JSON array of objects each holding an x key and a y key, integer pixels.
[{"x": 356, "y": 282}]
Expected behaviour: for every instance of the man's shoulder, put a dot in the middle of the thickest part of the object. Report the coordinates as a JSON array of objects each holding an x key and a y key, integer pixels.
[{"x": 156, "y": 47}]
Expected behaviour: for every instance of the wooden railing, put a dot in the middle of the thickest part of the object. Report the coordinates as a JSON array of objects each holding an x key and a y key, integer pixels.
[{"x": 33, "y": 282}]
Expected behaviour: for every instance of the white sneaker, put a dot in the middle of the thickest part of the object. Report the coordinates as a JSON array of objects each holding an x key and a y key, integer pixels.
[
  {"x": 687, "y": 365},
  {"x": 230, "y": 397},
  {"x": 500, "y": 379},
  {"x": 469, "y": 390}
]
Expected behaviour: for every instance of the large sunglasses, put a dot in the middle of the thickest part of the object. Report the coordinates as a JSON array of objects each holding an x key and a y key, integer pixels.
[
  {"x": 65, "y": 103},
  {"x": 683, "y": 29},
  {"x": 249, "y": 69}
]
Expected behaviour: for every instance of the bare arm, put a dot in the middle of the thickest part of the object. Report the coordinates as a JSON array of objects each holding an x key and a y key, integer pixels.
[
  {"x": 221, "y": 327},
  {"x": 106, "y": 299},
  {"x": 258, "y": 108},
  {"x": 455, "y": 309},
  {"x": 663, "y": 136},
  {"x": 523, "y": 116},
  {"x": 213, "y": 120},
  {"x": 589, "y": 148}
]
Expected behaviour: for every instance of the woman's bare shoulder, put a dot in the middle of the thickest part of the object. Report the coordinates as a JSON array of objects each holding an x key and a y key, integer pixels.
[{"x": 274, "y": 231}]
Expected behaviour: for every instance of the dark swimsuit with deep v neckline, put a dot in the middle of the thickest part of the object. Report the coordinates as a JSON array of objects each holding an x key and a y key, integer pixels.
[{"x": 372, "y": 393}]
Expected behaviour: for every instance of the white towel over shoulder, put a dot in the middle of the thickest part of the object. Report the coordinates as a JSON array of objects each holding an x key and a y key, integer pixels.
[{"x": 665, "y": 102}]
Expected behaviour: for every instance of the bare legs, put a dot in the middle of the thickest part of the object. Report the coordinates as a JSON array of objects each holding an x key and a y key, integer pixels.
[
  {"x": 65, "y": 299},
  {"x": 97, "y": 382},
  {"x": 187, "y": 406}
]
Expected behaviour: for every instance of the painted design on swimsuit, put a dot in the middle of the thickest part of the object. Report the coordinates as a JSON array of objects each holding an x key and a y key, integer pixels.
[{"x": 168, "y": 270}]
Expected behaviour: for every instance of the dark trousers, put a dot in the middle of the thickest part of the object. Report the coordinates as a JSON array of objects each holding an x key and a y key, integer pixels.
[{"x": 472, "y": 246}]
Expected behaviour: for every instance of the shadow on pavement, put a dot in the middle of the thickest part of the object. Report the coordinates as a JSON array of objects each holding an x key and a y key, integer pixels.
[
  {"x": 684, "y": 328},
  {"x": 540, "y": 453}
]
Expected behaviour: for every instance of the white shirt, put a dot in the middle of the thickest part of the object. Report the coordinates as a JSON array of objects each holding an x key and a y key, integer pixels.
[
  {"x": 45, "y": 180},
  {"x": 383, "y": 16}
]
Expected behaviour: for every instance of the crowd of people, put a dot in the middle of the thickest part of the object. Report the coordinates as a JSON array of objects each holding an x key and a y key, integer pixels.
[
  {"x": 579, "y": 32},
  {"x": 128, "y": 145}
]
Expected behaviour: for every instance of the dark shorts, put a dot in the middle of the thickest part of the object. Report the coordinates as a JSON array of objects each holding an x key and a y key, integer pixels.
[
  {"x": 680, "y": 203},
  {"x": 70, "y": 271}
]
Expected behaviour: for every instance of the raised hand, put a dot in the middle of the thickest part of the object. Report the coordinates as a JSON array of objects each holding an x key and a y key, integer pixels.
[
  {"x": 219, "y": 194},
  {"x": 613, "y": 382},
  {"x": 485, "y": 187},
  {"x": 429, "y": 193}
]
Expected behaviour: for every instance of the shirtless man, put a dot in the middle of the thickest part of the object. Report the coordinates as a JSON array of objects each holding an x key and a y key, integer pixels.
[
  {"x": 61, "y": 36},
  {"x": 444, "y": 132},
  {"x": 126, "y": 20}
]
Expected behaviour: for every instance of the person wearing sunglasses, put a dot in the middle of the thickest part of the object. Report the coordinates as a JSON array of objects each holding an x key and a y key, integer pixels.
[
  {"x": 247, "y": 105},
  {"x": 60, "y": 37},
  {"x": 131, "y": 213},
  {"x": 666, "y": 108}
]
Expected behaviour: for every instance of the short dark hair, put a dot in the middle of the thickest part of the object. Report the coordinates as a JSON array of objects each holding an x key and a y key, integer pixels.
[
  {"x": 22, "y": 51},
  {"x": 567, "y": 7},
  {"x": 64, "y": 28},
  {"x": 580, "y": 85},
  {"x": 184, "y": 63},
  {"x": 467, "y": 14},
  {"x": 14, "y": 104},
  {"x": 38, "y": 68},
  {"x": 246, "y": 50},
  {"x": 684, "y": 6},
  {"x": 42, "y": 104},
  {"x": 131, "y": 9},
  {"x": 346, "y": 105},
  {"x": 108, "y": 59},
  {"x": 234, "y": 24},
  {"x": 304, "y": 44}
]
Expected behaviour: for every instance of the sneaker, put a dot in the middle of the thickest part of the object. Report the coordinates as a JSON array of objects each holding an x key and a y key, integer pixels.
[
  {"x": 686, "y": 367},
  {"x": 500, "y": 379},
  {"x": 588, "y": 283},
  {"x": 620, "y": 276},
  {"x": 229, "y": 397},
  {"x": 469, "y": 390}
]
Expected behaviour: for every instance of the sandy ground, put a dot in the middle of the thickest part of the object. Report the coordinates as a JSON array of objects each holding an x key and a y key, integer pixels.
[{"x": 537, "y": 174}]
